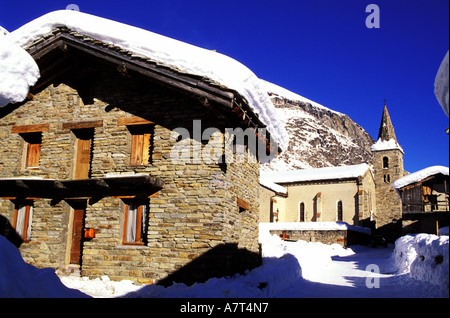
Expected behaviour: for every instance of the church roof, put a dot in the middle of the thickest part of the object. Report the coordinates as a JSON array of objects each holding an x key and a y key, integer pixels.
[
  {"x": 315, "y": 174},
  {"x": 386, "y": 131},
  {"x": 386, "y": 134}
]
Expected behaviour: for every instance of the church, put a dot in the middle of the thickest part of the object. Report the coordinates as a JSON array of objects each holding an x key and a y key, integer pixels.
[{"x": 358, "y": 195}]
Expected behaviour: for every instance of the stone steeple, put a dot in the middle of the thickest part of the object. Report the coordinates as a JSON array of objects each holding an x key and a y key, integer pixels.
[
  {"x": 387, "y": 167},
  {"x": 386, "y": 131}
]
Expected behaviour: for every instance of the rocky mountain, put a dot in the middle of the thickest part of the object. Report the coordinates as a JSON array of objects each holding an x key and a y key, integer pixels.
[{"x": 319, "y": 136}]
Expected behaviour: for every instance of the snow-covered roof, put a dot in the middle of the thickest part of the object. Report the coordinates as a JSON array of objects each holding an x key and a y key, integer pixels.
[
  {"x": 166, "y": 51},
  {"x": 328, "y": 173},
  {"x": 386, "y": 145},
  {"x": 272, "y": 186},
  {"x": 18, "y": 71},
  {"x": 419, "y": 175}
]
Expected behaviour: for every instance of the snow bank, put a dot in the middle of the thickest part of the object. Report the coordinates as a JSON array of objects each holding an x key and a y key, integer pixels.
[
  {"x": 19, "y": 279},
  {"x": 18, "y": 71},
  {"x": 425, "y": 256},
  {"x": 176, "y": 54},
  {"x": 420, "y": 175}
]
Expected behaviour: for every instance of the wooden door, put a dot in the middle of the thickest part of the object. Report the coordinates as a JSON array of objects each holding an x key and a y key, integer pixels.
[
  {"x": 83, "y": 161},
  {"x": 77, "y": 236}
]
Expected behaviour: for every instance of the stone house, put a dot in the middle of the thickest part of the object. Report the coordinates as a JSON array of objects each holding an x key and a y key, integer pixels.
[{"x": 87, "y": 172}]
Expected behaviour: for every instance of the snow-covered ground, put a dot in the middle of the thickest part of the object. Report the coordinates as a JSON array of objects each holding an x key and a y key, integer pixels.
[{"x": 417, "y": 266}]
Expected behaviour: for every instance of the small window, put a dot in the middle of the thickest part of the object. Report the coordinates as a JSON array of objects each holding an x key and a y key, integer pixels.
[
  {"x": 135, "y": 223},
  {"x": 385, "y": 162},
  {"x": 387, "y": 178},
  {"x": 339, "y": 211},
  {"x": 243, "y": 205},
  {"x": 301, "y": 212},
  {"x": 141, "y": 144},
  {"x": 33, "y": 149},
  {"x": 23, "y": 213}
]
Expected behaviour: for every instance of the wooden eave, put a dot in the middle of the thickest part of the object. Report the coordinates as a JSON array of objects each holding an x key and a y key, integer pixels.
[{"x": 130, "y": 186}]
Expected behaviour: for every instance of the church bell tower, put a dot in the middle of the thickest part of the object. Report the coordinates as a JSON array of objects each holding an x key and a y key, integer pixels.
[{"x": 387, "y": 167}]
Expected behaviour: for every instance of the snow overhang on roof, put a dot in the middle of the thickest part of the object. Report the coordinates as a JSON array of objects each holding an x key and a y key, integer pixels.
[
  {"x": 317, "y": 174},
  {"x": 186, "y": 59},
  {"x": 386, "y": 145},
  {"x": 419, "y": 176}
]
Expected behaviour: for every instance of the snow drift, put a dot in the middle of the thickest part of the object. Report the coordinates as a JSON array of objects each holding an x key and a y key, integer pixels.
[
  {"x": 425, "y": 256},
  {"x": 19, "y": 279}
]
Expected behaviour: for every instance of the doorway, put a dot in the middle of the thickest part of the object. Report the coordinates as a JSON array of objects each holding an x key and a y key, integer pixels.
[{"x": 77, "y": 233}]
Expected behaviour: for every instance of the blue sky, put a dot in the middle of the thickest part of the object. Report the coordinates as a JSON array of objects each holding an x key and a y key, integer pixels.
[{"x": 320, "y": 49}]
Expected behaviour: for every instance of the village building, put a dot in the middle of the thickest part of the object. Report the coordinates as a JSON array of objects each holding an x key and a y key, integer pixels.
[
  {"x": 425, "y": 200},
  {"x": 358, "y": 195},
  {"x": 332, "y": 194},
  {"x": 87, "y": 171}
]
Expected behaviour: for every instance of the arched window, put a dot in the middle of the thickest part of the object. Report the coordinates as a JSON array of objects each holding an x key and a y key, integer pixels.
[
  {"x": 301, "y": 212},
  {"x": 339, "y": 211},
  {"x": 385, "y": 162}
]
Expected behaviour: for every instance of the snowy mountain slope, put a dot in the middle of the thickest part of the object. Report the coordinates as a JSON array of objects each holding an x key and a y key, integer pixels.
[{"x": 318, "y": 136}]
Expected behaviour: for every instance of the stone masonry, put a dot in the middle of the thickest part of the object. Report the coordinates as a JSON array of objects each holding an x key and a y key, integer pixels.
[{"x": 194, "y": 213}]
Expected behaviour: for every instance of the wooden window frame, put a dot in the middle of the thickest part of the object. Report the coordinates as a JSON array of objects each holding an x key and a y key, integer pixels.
[
  {"x": 32, "y": 135},
  {"x": 33, "y": 149},
  {"x": 140, "y": 240},
  {"x": 28, "y": 205}
]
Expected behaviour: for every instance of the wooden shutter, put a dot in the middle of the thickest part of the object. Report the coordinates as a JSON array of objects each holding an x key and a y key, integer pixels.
[
  {"x": 140, "y": 145},
  {"x": 33, "y": 155},
  {"x": 83, "y": 164}
]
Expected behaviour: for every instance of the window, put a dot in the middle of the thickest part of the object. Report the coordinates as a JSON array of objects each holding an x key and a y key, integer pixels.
[
  {"x": 301, "y": 208},
  {"x": 32, "y": 135},
  {"x": 23, "y": 213},
  {"x": 339, "y": 211},
  {"x": 141, "y": 144},
  {"x": 33, "y": 149},
  {"x": 385, "y": 162},
  {"x": 387, "y": 178},
  {"x": 135, "y": 223}
]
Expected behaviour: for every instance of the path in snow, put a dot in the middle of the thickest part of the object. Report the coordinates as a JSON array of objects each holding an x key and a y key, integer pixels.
[{"x": 346, "y": 276}]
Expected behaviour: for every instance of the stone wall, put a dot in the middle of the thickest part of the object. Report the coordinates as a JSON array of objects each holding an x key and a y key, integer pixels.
[
  {"x": 388, "y": 204},
  {"x": 195, "y": 212},
  {"x": 341, "y": 237}
]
